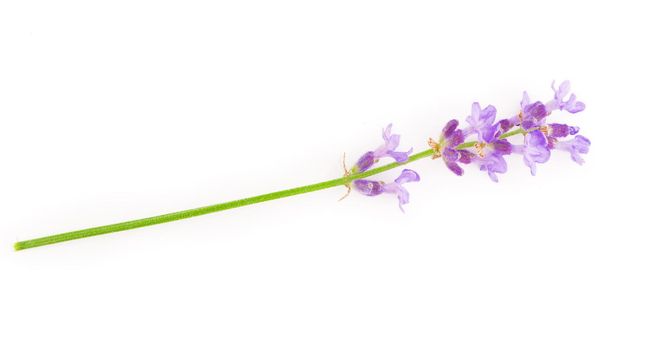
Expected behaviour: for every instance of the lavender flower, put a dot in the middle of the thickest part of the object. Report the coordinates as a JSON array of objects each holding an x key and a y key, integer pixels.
[
  {"x": 480, "y": 121},
  {"x": 375, "y": 188},
  {"x": 534, "y": 150},
  {"x": 391, "y": 141},
  {"x": 491, "y": 150},
  {"x": 577, "y": 145},
  {"x": 561, "y": 130},
  {"x": 451, "y": 137},
  {"x": 532, "y": 114},
  {"x": 493, "y": 164},
  {"x": 571, "y": 105}
]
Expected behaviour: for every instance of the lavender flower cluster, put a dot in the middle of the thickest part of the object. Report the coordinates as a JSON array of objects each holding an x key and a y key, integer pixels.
[{"x": 489, "y": 142}]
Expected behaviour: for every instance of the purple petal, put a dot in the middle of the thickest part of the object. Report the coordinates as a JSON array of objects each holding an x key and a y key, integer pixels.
[
  {"x": 407, "y": 175},
  {"x": 505, "y": 125},
  {"x": 498, "y": 164},
  {"x": 490, "y": 133},
  {"x": 562, "y": 91},
  {"x": 450, "y": 154},
  {"x": 488, "y": 114},
  {"x": 528, "y": 124},
  {"x": 402, "y": 197},
  {"x": 476, "y": 111},
  {"x": 536, "y": 110},
  {"x": 400, "y": 157},
  {"x": 454, "y": 167},
  {"x": 535, "y": 150},
  {"x": 392, "y": 142},
  {"x": 394, "y": 187},
  {"x": 531, "y": 164},
  {"x": 401, "y": 192},
  {"x": 578, "y": 145},
  {"x": 366, "y": 161},
  {"x": 456, "y": 138},
  {"x": 369, "y": 188},
  {"x": 525, "y": 100},
  {"x": 465, "y": 156},
  {"x": 535, "y": 139},
  {"x": 386, "y": 133},
  {"x": 582, "y": 144},
  {"x": 540, "y": 154},
  {"x": 502, "y": 147},
  {"x": 571, "y": 105},
  {"x": 574, "y": 106},
  {"x": 479, "y": 120},
  {"x": 551, "y": 141},
  {"x": 560, "y": 130},
  {"x": 450, "y": 127},
  {"x": 493, "y": 164}
]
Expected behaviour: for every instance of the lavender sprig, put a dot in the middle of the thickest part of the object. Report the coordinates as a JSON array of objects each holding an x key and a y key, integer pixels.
[
  {"x": 490, "y": 144},
  {"x": 486, "y": 149}
]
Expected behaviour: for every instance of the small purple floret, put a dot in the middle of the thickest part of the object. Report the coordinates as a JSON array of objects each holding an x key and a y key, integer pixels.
[
  {"x": 369, "y": 187},
  {"x": 451, "y": 138},
  {"x": 534, "y": 150},
  {"x": 391, "y": 141},
  {"x": 562, "y": 130},
  {"x": 493, "y": 164},
  {"x": 480, "y": 120},
  {"x": 502, "y": 147},
  {"x": 578, "y": 145},
  {"x": 571, "y": 105},
  {"x": 374, "y": 188},
  {"x": 366, "y": 161}
]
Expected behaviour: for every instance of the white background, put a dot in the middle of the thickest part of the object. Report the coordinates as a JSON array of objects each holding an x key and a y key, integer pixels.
[{"x": 125, "y": 109}]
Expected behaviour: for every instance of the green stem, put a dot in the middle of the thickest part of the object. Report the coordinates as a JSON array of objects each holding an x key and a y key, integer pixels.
[
  {"x": 185, "y": 214},
  {"x": 515, "y": 132}
]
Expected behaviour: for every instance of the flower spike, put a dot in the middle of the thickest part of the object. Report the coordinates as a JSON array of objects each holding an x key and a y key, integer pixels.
[{"x": 491, "y": 144}]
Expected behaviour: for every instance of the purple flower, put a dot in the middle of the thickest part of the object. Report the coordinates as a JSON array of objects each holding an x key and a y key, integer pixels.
[
  {"x": 571, "y": 105},
  {"x": 561, "y": 130},
  {"x": 492, "y": 163},
  {"x": 577, "y": 145},
  {"x": 490, "y": 148},
  {"x": 490, "y": 156},
  {"x": 391, "y": 141},
  {"x": 481, "y": 120},
  {"x": 534, "y": 150},
  {"x": 531, "y": 114},
  {"x": 374, "y": 188},
  {"x": 450, "y": 138},
  {"x": 506, "y": 125}
]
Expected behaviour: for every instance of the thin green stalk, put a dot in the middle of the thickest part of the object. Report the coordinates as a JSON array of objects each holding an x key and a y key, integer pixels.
[
  {"x": 503, "y": 136},
  {"x": 160, "y": 219},
  {"x": 515, "y": 132},
  {"x": 184, "y": 214}
]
